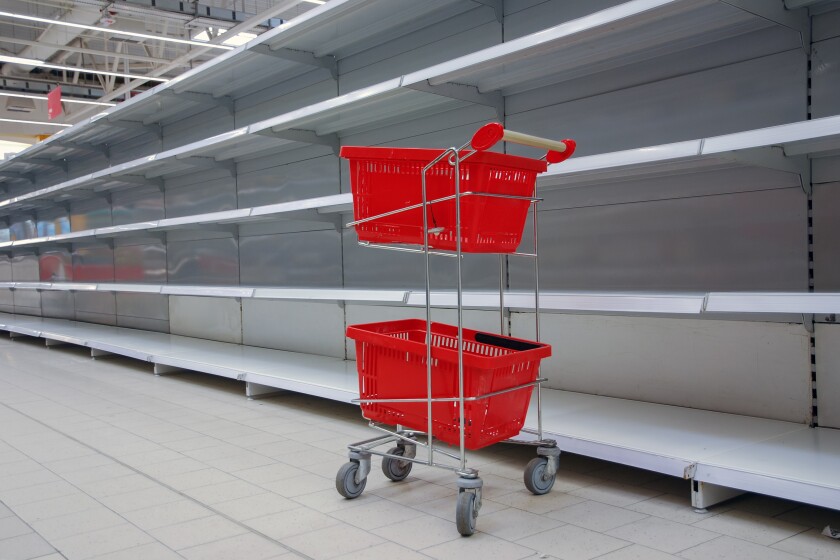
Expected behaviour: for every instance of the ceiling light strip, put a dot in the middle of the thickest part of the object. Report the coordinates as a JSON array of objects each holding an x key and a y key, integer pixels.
[
  {"x": 39, "y": 123},
  {"x": 114, "y": 31},
  {"x": 63, "y": 99}
]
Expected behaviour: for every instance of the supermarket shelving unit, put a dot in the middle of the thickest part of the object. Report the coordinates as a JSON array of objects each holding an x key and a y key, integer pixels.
[{"x": 298, "y": 92}]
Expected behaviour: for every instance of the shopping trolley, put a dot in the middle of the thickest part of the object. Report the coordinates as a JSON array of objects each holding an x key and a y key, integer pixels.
[{"x": 437, "y": 382}]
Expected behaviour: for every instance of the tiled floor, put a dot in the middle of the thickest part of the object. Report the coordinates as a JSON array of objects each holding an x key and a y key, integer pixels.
[{"x": 101, "y": 459}]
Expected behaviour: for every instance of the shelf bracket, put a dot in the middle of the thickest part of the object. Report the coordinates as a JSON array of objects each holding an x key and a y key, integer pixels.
[
  {"x": 88, "y": 147},
  {"x": 57, "y": 163},
  {"x": 201, "y": 99},
  {"x": 308, "y": 137},
  {"x": 210, "y": 163},
  {"x": 135, "y": 125},
  {"x": 498, "y": 7},
  {"x": 773, "y": 157},
  {"x": 30, "y": 177},
  {"x": 493, "y": 99},
  {"x": 808, "y": 322},
  {"x": 301, "y": 57},
  {"x": 704, "y": 495},
  {"x": 137, "y": 180},
  {"x": 784, "y": 13}
]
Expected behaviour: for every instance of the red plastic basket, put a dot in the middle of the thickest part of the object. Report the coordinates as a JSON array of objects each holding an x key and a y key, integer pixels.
[
  {"x": 391, "y": 360},
  {"x": 387, "y": 179}
]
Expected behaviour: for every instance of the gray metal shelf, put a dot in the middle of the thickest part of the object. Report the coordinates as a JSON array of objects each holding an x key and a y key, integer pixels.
[
  {"x": 309, "y": 43},
  {"x": 331, "y": 378},
  {"x": 315, "y": 209},
  {"x": 784, "y": 147},
  {"x": 778, "y": 303},
  {"x": 632, "y": 31},
  {"x": 248, "y": 292}
]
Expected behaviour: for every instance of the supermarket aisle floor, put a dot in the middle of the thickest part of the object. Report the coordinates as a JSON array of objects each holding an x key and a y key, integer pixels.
[{"x": 101, "y": 459}]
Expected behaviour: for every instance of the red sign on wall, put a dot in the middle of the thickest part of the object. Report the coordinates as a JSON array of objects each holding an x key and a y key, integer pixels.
[{"x": 54, "y": 103}]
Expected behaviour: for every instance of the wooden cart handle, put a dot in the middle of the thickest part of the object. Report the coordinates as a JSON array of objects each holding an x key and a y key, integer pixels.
[{"x": 488, "y": 135}]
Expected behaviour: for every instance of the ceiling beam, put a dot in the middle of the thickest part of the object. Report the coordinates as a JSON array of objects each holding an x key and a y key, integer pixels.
[
  {"x": 253, "y": 22},
  {"x": 82, "y": 50},
  {"x": 82, "y": 15}
]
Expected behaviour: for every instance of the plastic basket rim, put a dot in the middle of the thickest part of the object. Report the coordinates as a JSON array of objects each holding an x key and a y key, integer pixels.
[
  {"x": 365, "y": 333},
  {"x": 425, "y": 155}
]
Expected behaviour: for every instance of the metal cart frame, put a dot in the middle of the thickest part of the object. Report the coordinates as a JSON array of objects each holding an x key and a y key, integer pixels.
[{"x": 397, "y": 462}]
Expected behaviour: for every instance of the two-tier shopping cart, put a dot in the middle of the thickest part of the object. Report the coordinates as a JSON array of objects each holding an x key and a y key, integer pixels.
[{"x": 424, "y": 384}]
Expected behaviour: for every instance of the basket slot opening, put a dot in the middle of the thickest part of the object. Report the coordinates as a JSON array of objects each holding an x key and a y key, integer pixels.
[{"x": 503, "y": 342}]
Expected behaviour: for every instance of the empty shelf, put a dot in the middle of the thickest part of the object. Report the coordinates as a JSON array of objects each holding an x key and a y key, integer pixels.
[
  {"x": 330, "y": 378},
  {"x": 782, "y": 459}
]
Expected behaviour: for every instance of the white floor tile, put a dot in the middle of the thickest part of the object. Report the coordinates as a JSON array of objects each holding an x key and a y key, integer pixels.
[
  {"x": 75, "y": 523},
  {"x": 811, "y": 544},
  {"x": 512, "y": 524},
  {"x": 25, "y": 547},
  {"x": 478, "y": 547},
  {"x": 258, "y": 505},
  {"x": 663, "y": 535},
  {"x": 729, "y": 547},
  {"x": 198, "y": 531},
  {"x": 596, "y": 516},
  {"x": 333, "y": 541},
  {"x": 420, "y": 532},
  {"x": 572, "y": 543},
  {"x": 168, "y": 514},
  {"x": 376, "y": 513},
  {"x": 292, "y": 522},
  {"x": 758, "y": 529},
  {"x": 102, "y": 541},
  {"x": 252, "y": 547}
]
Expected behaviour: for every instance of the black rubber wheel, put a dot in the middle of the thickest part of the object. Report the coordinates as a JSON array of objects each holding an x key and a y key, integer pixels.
[
  {"x": 395, "y": 469},
  {"x": 465, "y": 513},
  {"x": 345, "y": 481},
  {"x": 534, "y": 473}
]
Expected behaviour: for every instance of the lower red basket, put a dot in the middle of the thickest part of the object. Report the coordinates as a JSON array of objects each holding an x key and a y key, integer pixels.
[{"x": 391, "y": 360}]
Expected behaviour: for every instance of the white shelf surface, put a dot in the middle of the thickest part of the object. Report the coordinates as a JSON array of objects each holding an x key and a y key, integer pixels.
[
  {"x": 305, "y": 209},
  {"x": 782, "y": 459},
  {"x": 791, "y": 303},
  {"x": 326, "y": 377},
  {"x": 801, "y": 465},
  {"x": 256, "y": 292},
  {"x": 771, "y": 147},
  {"x": 619, "y": 302}
]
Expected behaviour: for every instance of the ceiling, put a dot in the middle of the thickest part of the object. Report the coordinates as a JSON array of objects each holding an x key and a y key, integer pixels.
[{"x": 149, "y": 51}]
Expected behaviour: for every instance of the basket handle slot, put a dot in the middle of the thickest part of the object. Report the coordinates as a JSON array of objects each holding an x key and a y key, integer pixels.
[
  {"x": 488, "y": 135},
  {"x": 503, "y": 342}
]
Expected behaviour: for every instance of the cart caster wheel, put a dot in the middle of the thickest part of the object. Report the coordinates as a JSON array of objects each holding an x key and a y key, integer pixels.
[
  {"x": 535, "y": 480},
  {"x": 345, "y": 481},
  {"x": 466, "y": 513},
  {"x": 395, "y": 469}
]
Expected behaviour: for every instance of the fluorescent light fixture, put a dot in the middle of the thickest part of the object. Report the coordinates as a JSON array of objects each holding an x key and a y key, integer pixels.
[
  {"x": 7, "y": 148},
  {"x": 235, "y": 41},
  {"x": 42, "y": 64},
  {"x": 34, "y": 122},
  {"x": 63, "y": 99},
  {"x": 316, "y": 1},
  {"x": 114, "y": 31}
]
